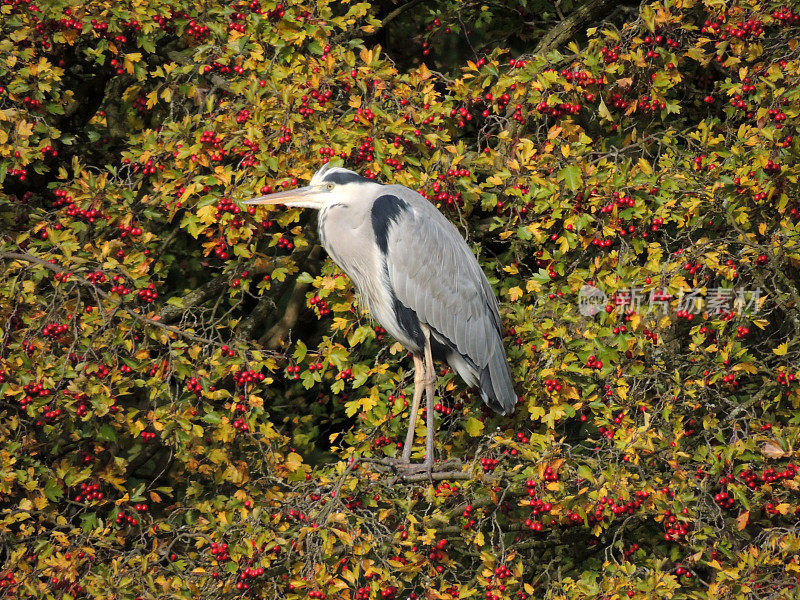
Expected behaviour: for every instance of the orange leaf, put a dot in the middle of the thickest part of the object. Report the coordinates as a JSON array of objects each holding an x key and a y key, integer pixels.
[{"x": 742, "y": 519}]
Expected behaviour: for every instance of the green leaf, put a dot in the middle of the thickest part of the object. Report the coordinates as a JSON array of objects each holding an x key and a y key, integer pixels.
[
  {"x": 212, "y": 418},
  {"x": 107, "y": 433},
  {"x": 571, "y": 175},
  {"x": 300, "y": 351},
  {"x": 586, "y": 473},
  {"x": 89, "y": 522},
  {"x": 52, "y": 490}
]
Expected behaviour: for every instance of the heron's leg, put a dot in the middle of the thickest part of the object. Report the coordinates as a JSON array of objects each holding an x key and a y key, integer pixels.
[
  {"x": 419, "y": 386},
  {"x": 430, "y": 380}
]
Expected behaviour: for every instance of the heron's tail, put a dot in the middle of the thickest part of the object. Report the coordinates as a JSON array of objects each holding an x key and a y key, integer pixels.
[{"x": 497, "y": 387}]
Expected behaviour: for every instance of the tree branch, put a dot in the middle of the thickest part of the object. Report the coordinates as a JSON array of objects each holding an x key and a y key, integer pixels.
[
  {"x": 84, "y": 282},
  {"x": 273, "y": 337},
  {"x": 210, "y": 289},
  {"x": 566, "y": 29}
]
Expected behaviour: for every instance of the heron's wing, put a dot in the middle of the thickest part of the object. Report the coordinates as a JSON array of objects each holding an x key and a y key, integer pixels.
[{"x": 434, "y": 273}]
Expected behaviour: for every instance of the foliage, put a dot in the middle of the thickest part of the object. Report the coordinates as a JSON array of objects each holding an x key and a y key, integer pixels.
[{"x": 193, "y": 405}]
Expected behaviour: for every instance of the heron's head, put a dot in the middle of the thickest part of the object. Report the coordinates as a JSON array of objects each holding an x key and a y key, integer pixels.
[{"x": 328, "y": 186}]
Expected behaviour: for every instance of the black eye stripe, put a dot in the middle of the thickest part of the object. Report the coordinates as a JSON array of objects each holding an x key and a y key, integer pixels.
[{"x": 343, "y": 177}]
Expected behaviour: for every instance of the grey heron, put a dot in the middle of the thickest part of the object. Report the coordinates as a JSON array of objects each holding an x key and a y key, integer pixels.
[{"x": 419, "y": 280}]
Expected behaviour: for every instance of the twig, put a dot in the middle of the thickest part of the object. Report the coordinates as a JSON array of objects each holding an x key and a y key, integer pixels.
[{"x": 84, "y": 282}]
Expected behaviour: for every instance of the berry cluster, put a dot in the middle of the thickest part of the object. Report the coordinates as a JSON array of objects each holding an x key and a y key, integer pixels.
[
  {"x": 724, "y": 500},
  {"x": 321, "y": 305},
  {"x": 226, "y": 205},
  {"x": 219, "y": 551},
  {"x": 286, "y": 134},
  {"x": 489, "y": 464},
  {"x": 54, "y": 330},
  {"x": 242, "y": 378},
  {"x": 123, "y": 520},
  {"x": 768, "y": 476},
  {"x": 129, "y": 230},
  {"x": 221, "y": 249},
  {"x": 194, "y": 386},
  {"x": 675, "y": 530},
  {"x": 96, "y": 277},
  {"x": 148, "y": 294},
  {"x": 563, "y": 108},
  {"x": 88, "y": 492},
  {"x": 248, "y": 574},
  {"x": 119, "y": 286},
  {"x": 785, "y": 16},
  {"x": 285, "y": 243},
  {"x": 610, "y": 54},
  {"x": 552, "y": 385}
]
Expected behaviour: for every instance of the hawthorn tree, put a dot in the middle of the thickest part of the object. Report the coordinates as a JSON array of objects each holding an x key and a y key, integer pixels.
[{"x": 193, "y": 403}]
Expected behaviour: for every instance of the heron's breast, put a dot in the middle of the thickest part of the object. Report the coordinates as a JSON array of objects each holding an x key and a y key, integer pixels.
[{"x": 351, "y": 244}]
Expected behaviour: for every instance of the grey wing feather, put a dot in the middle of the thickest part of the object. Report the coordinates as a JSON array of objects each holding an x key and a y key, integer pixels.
[{"x": 434, "y": 273}]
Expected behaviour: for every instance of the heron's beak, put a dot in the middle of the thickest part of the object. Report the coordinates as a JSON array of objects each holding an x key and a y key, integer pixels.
[{"x": 304, "y": 197}]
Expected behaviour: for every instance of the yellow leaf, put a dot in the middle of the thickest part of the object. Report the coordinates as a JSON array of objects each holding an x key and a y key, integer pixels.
[
  {"x": 781, "y": 350},
  {"x": 515, "y": 293},
  {"x": 346, "y": 538},
  {"x": 293, "y": 461},
  {"x": 537, "y": 412},
  {"x": 207, "y": 214},
  {"x": 474, "y": 427},
  {"x": 24, "y": 129},
  {"x": 478, "y": 541}
]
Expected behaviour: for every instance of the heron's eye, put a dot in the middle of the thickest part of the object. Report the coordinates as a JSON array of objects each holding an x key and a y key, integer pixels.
[{"x": 328, "y": 187}]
